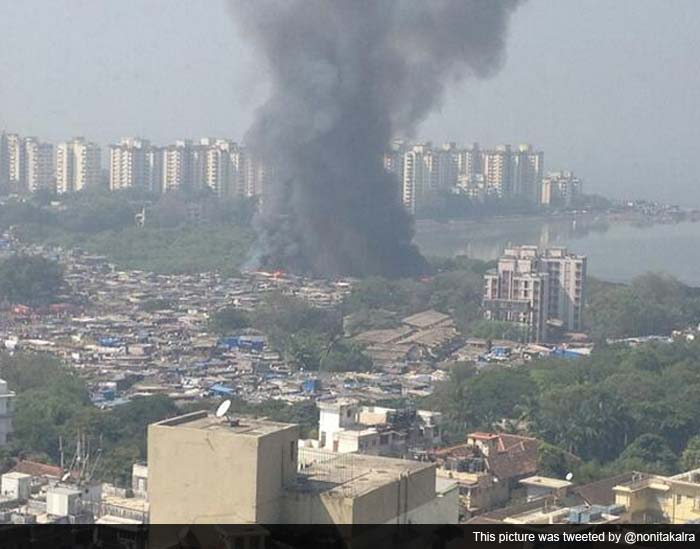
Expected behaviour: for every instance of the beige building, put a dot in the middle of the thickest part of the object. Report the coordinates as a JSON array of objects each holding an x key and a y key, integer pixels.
[
  {"x": 78, "y": 165},
  {"x": 560, "y": 189},
  {"x": 40, "y": 165},
  {"x": 658, "y": 499},
  {"x": 497, "y": 166},
  {"x": 135, "y": 162},
  {"x": 206, "y": 469},
  {"x": 536, "y": 288},
  {"x": 518, "y": 291},
  {"x": 7, "y": 412}
]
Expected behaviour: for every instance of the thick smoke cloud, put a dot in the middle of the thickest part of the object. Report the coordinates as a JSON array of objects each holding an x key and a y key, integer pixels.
[{"x": 347, "y": 76}]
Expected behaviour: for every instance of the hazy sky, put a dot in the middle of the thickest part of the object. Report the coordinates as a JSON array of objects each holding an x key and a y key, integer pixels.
[{"x": 608, "y": 88}]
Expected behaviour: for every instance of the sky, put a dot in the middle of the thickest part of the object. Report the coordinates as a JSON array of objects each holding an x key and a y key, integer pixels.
[{"x": 606, "y": 88}]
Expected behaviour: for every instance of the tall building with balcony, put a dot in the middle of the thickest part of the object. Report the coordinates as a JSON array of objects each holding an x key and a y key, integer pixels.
[
  {"x": 560, "y": 189},
  {"x": 7, "y": 412},
  {"x": 39, "y": 171},
  {"x": 528, "y": 168},
  {"x": 517, "y": 291},
  {"x": 4, "y": 159},
  {"x": 497, "y": 167},
  {"x": 135, "y": 162},
  {"x": 537, "y": 289},
  {"x": 418, "y": 175},
  {"x": 16, "y": 161},
  {"x": 78, "y": 165}
]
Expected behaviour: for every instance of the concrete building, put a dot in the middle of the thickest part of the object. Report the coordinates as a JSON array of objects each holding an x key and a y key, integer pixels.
[
  {"x": 517, "y": 291},
  {"x": 347, "y": 427},
  {"x": 205, "y": 469},
  {"x": 560, "y": 189},
  {"x": 528, "y": 168},
  {"x": 78, "y": 165},
  {"x": 16, "y": 160},
  {"x": 418, "y": 175},
  {"x": 567, "y": 283},
  {"x": 7, "y": 412},
  {"x": 178, "y": 166},
  {"x": 39, "y": 170},
  {"x": 497, "y": 167},
  {"x": 536, "y": 289},
  {"x": 134, "y": 162},
  {"x": 4, "y": 159},
  {"x": 658, "y": 499}
]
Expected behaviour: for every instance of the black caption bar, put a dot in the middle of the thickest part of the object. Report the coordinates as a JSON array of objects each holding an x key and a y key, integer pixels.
[{"x": 232, "y": 536}]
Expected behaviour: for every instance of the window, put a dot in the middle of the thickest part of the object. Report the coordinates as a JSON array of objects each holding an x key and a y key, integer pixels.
[{"x": 679, "y": 499}]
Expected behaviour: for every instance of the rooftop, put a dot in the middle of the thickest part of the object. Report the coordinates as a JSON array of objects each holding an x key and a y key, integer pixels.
[
  {"x": 546, "y": 482},
  {"x": 351, "y": 475},
  {"x": 241, "y": 425}
]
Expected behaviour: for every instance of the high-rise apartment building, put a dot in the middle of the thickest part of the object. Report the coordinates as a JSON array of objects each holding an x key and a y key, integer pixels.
[
  {"x": 4, "y": 159},
  {"x": 470, "y": 161},
  {"x": 560, "y": 189},
  {"x": 7, "y": 412},
  {"x": 497, "y": 166},
  {"x": 179, "y": 163},
  {"x": 446, "y": 167},
  {"x": 39, "y": 169},
  {"x": 567, "y": 278},
  {"x": 517, "y": 291},
  {"x": 78, "y": 165},
  {"x": 16, "y": 161},
  {"x": 135, "y": 162},
  {"x": 528, "y": 167},
  {"x": 418, "y": 175},
  {"x": 537, "y": 289}
]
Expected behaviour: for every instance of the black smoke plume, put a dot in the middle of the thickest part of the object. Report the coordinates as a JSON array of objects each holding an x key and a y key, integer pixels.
[{"x": 346, "y": 76}]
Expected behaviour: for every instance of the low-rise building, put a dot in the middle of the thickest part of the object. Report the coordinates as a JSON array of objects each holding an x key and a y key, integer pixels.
[{"x": 247, "y": 470}]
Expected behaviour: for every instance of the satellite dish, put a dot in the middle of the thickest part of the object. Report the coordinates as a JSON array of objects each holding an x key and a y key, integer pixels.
[
  {"x": 65, "y": 476},
  {"x": 223, "y": 408},
  {"x": 569, "y": 476}
]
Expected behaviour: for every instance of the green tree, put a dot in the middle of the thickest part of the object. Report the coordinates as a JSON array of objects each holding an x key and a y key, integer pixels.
[
  {"x": 345, "y": 356},
  {"x": 649, "y": 453},
  {"x": 228, "y": 320},
  {"x": 690, "y": 458},
  {"x": 30, "y": 279}
]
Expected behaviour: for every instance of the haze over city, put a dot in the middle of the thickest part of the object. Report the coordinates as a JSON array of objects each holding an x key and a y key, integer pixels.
[{"x": 605, "y": 88}]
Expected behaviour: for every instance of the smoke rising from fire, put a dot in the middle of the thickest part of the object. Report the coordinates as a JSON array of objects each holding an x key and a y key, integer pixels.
[{"x": 347, "y": 76}]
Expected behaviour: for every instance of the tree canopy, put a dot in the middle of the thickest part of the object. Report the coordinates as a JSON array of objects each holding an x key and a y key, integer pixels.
[{"x": 30, "y": 279}]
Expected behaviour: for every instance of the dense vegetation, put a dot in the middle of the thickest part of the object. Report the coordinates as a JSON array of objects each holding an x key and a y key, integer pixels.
[
  {"x": 622, "y": 408},
  {"x": 651, "y": 304},
  {"x": 31, "y": 280},
  {"x": 173, "y": 239}
]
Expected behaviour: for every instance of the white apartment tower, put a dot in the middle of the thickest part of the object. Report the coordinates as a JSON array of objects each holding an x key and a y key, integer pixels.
[
  {"x": 39, "y": 171},
  {"x": 537, "y": 289},
  {"x": 517, "y": 291},
  {"x": 418, "y": 175},
  {"x": 497, "y": 165},
  {"x": 16, "y": 160},
  {"x": 134, "y": 162},
  {"x": 7, "y": 412},
  {"x": 178, "y": 166},
  {"x": 78, "y": 165},
  {"x": 4, "y": 159}
]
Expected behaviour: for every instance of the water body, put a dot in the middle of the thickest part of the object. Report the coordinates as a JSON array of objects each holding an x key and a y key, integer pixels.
[{"x": 617, "y": 250}]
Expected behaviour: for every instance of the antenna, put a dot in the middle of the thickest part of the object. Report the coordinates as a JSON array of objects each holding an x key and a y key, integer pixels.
[{"x": 223, "y": 408}]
